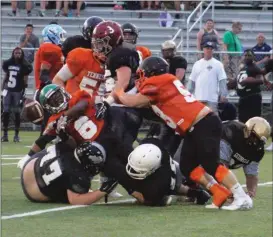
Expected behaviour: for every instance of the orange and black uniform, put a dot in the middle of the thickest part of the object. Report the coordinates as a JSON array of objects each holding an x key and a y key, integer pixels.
[{"x": 179, "y": 110}]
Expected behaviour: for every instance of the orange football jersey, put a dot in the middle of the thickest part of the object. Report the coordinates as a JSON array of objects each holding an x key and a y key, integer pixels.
[
  {"x": 145, "y": 52},
  {"x": 51, "y": 55},
  {"x": 87, "y": 71},
  {"x": 171, "y": 101},
  {"x": 86, "y": 127}
]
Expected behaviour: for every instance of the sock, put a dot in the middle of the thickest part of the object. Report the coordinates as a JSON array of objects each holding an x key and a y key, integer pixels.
[
  {"x": 210, "y": 184},
  {"x": 238, "y": 190},
  {"x": 5, "y": 117}
]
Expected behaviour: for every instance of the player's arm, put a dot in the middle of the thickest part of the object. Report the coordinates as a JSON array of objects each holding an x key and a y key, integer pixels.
[
  {"x": 62, "y": 76},
  {"x": 40, "y": 144},
  {"x": 90, "y": 197},
  {"x": 258, "y": 80},
  {"x": 138, "y": 100}
]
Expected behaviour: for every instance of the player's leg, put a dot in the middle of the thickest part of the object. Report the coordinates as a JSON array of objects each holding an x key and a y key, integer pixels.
[
  {"x": 17, "y": 96},
  {"x": 208, "y": 150},
  {"x": 5, "y": 116}
]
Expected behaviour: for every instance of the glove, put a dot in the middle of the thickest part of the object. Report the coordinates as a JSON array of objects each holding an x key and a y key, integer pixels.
[
  {"x": 61, "y": 124},
  {"x": 109, "y": 185},
  {"x": 101, "y": 109},
  {"x": 22, "y": 162}
]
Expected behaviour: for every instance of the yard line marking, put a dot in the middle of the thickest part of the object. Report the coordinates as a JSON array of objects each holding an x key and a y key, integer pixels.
[
  {"x": 16, "y": 178},
  {"x": 4, "y": 164},
  {"x": 38, "y": 212},
  {"x": 11, "y": 155},
  {"x": 12, "y": 158},
  {"x": 28, "y": 146}
]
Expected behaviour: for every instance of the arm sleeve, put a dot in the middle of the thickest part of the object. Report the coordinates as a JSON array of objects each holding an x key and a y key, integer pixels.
[
  {"x": 180, "y": 62},
  {"x": 27, "y": 69},
  {"x": 5, "y": 66},
  {"x": 252, "y": 168}
]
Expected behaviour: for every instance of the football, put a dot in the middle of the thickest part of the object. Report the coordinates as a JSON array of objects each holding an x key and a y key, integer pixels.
[{"x": 33, "y": 111}]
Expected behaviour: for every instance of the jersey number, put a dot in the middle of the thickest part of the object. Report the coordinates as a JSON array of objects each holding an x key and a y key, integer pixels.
[
  {"x": 12, "y": 79},
  {"x": 85, "y": 127},
  {"x": 55, "y": 170},
  {"x": 187, "y": 95},
  {"x": 241, "y": 77}
]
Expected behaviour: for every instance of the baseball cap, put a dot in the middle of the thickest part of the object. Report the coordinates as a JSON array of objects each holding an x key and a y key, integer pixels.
[{"x": 208, "y": 44}]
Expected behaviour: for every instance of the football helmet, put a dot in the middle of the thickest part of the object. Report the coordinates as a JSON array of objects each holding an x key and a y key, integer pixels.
[
  {"x": 89, "y": 26},
  {"x": 168, "y": 49},
  {"x": 54, "y": 98},
  {"x": 54, "y": 34},
  {"x": 143, "y": 161},
  {"x": 92, "y": 156},
  {"x": 106, "y": 36},
  {"x": 153, "y": 66},
  {"x": 130, "y": 33},
  {"x": 259, "y": 131}
]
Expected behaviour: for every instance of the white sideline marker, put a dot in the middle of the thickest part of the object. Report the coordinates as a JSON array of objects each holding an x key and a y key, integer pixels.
[
  {"x": 9, "y": 164},
  {"x": 39, "y": 212}
]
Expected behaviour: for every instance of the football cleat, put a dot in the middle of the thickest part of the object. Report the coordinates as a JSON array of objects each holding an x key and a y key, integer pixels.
[
  {"x": 239, "y": 203},
  {"x": 4, "y": 138},
  {"x": 16, "y": 139}
]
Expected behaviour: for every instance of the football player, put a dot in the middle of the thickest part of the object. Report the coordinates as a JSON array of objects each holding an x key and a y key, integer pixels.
[
  {"x": 62, "y": 174},
  {"x": 122, "y": 60},
  {"x": 48, "y": 60},
  {"x": 84, "y": 40},
  {"x": 151, "y": 175},
  {"x": 130, "y": 33},
  {"x": 14, "y": 84},
  {"x": 199, "y": 126}
]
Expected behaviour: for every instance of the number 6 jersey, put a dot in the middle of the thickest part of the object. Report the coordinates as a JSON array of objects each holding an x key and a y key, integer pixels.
[
  {"x": 56, "y": 171},
  {"x": 86, "y": 127}
]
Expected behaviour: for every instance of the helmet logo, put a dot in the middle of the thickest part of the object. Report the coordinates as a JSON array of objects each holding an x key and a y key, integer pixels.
[{"x": 111, "y": 30}]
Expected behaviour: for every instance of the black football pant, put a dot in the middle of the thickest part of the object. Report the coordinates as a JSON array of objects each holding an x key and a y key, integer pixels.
[
  {"x": 202, "y": 146},
  {"x": 249, "y": 107}
]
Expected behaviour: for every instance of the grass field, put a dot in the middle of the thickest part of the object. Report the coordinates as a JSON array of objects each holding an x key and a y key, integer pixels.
[{"x": 126, "y": 219}]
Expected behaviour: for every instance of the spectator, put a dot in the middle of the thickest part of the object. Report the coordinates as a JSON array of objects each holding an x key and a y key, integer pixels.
[
  {"x": 208, "y": 33},
  {"x": 78, "y": 6},
  {"x": 27, "y": 5},
  {"x": 208, "y": 79},
  {"x": 248, "y": 88},
  {"x": 43, "y": 4},
  {"x": 29, "y": 40},
  {"x": 261, "y": 46},
  {"x": 231, "y": 43},
  {"x": 149, "y": 4},
  {"x": 17, "y": 70},
  {"x": 59, "y": 6}
]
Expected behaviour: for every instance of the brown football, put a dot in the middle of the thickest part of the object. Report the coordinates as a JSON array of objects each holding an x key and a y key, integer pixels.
[{"x": 33, "y": 111}]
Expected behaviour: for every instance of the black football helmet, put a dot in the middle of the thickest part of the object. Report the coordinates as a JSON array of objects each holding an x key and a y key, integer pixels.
[
  {"x": 153, "y": 66},
  {"x": 130, "y": 33},
  {"x": 92, "y": 156},
  {"x": 89, "y": 25}
]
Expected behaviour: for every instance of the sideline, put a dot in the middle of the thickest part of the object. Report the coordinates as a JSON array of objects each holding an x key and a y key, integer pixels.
[{"x": 39, "y": 212}]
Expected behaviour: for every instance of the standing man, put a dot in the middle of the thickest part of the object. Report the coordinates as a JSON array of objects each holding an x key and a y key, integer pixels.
[
  {"x": 248, "y": 88},
  {"x": 29, "y": 40},
  {"x": 208, "y": 80},
  {"x": 232, "y": 43},
  {"x": 17, "y": 70}
]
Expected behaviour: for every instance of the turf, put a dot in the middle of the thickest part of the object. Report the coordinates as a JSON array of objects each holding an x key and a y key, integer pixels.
[{"x": 130, "y": 220}]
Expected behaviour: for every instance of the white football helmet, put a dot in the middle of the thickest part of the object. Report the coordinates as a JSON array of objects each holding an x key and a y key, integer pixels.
[
  {"x": 143, "y": 161},
  {"x": 169, "y": 44}
]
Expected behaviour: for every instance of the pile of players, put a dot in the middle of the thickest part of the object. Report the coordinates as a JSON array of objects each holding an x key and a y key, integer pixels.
[{"x": 96, "y": 123}]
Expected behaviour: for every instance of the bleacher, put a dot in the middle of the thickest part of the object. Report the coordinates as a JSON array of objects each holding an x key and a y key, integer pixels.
[{"x": 151, "y": 35}]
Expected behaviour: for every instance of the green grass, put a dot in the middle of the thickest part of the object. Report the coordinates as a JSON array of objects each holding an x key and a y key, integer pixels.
[{"x": 130, "y": 220}]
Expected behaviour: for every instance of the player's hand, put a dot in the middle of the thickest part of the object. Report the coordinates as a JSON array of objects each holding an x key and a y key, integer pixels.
[
  {"x": 61, "y": 124},
  {"x": 109, "y": 185},
  {"x": 101, "y": 109},
  {"x": 22, "y": 162}
]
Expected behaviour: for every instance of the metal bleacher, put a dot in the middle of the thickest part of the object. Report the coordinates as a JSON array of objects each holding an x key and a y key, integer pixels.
[{"x": 151, "y": 35}]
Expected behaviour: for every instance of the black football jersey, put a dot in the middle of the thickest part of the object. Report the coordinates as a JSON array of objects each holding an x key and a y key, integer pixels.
[
  {"x": 15, "y": 74},
  {"x": 248, "y": 71},
  {"x": 156, "y": 186},
  {"x": 56, "y": 171},
  {"x": 177, "y": 62},
  {"x": 240, "y": 153},
  {"x": 73, "y": 42},
  {"x": 124, "y": 55}
]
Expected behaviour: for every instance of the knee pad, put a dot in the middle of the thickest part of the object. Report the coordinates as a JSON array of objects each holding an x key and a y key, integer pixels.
[
  {"x": 221, "y": 173},
  {"x": 197, "y": 173}
]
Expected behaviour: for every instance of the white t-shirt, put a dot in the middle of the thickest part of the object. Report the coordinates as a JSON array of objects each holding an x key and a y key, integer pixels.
[{"x": 206, "y": 75}]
